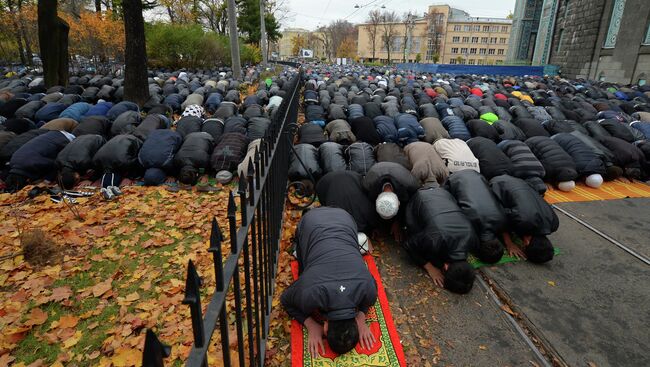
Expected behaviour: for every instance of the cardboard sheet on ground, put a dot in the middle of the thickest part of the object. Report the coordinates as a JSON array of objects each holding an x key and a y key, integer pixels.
[
  {"x": 387, "y": 351},
  {"x": 617, "y": 189}
]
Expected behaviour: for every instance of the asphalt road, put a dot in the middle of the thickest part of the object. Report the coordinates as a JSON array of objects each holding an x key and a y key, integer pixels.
[{"x": 590, "y": 306}]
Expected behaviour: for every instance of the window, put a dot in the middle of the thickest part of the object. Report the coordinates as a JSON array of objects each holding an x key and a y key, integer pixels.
[
  {"x": 647, "y": 37},
  {"x": 465, "y": 39},
  {"x": 474, "y": 39},
  {"x": 500, "y": 51},
  {"x": 454, "y": 50},
  {"x": 484, "y": 40},
  {"x": 559, "y": 41},
  {"x": 499, "y": 62},
  {"x": 463, "y": 50},
  {"x": 486, "y": 28},
  {"x": 463, "y": 62},
  {"x": 490, "y": 62},
  {"x": 397, "y": 43},
  {"x": 482, "y": 51},
  {"x": 491, "y": 51},
  {"x": 614, "y": 23},
  {"x": 429, "y": 55},
  {"x": 471, "y": 61},
  {"x": 493, "y": 40},
  {"x": 502, "y": 40},
  {"x": 504, "y": 29},
  {"x": 480, "y": 62},
  {"x": 467, "y": 28},
  {"x": 457, "y": 28},
  {"x": 601, "y": 76},
  {"x": 455, "y": 39},
  {"x": 477, "y": 28},
  {"x": 494, "y": 28},
  {"x": 452, "y": 61},
  {"x": 641, "y": 80},
  {"x": 472, "y": 51}
]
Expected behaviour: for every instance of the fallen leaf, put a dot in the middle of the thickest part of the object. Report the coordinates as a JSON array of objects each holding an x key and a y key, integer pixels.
[
  {"x": 60, "y": 293},
  {"x": 482, "y": 347},
  {"x": 68, "y": 321},
  {"x": 70, "y": 342},
  {"x": 102, "y": 287},
  {"x": 126, "y": 357},
  {"x": 36, "y": 317},
  {"x": 37, "y": 363},
  {"x": 509, "y": 310},
  {"x": 551, "y": 283},
  {"x": 132, "y": 297}
]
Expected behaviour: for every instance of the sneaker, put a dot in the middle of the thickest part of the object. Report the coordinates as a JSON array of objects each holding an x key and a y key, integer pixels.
[
  {"x": 116, "y": 190},
  {"x": 107, "y": 194}
]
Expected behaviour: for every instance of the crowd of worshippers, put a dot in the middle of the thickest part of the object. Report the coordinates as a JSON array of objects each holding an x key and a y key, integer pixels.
[
  {"x": 454, "y": 166},
  {"x": 193, "y": 123}
]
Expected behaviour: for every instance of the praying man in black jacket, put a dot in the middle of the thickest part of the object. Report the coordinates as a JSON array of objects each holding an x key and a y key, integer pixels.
[
  {"x": 334, "y": 282},
  {"x": 439, "y": 238}
]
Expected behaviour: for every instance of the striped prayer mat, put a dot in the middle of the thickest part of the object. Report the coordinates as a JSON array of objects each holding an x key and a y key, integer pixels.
[{"x": 617, "y": 189}]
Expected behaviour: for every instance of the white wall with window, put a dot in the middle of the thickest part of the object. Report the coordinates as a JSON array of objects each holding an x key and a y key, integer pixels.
[
  {"x": 455, "y": 39},
  {"x": 454, "y": 50},
  {"x": 491, "y": 51},
  {"x": 484, "y": 39},
  {"x": 474, "y": 39},
  {"x": 486, "y": 28},
  {"x": 463, "y": 50},
  {"x": 504, "y": 29},
  {"x": 465, "y": 39},
  {"x": 502, "y": 40},
  {"x": 471, "y": 62},
  {"x": 467, "y": 28},
  {"x": 500, "y": 51},
  {"x": 472, "y": 51},
  {"x": 457, "y": 28},
  {"x": 482, "y": 51}
]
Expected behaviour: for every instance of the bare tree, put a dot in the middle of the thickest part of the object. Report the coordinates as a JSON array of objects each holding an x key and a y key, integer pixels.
[
  {"x": 327, "y": 42},
  {"x": 434, "y": 33},
  {"x": 335, "y": 33},
  {"x": 374, "y": 19},
  {"x": 389, "y": 20},
  {"x": 407, "y": 20}
]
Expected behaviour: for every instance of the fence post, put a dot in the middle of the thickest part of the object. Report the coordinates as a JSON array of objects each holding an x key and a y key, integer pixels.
[
  {"x": 216, "y": 237},
  {"x": 154, "y": 351},
  {"x": 193, "y": 299}
]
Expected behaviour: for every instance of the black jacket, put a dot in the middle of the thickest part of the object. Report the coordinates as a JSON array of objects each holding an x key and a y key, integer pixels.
[
  {"x": 119, "y": 155},
  {"x": 558, "y": 164},
  {"x": 492, "y": 160},
  {"x": 18, "y": 141},
  {"x": 331, "y": 157},
  {"x": 530, "y": 127},
  {"x": 195, "y": 151},
  {"x": 481, "y": 128},
  {"x": 304, "y": 160},
  {"x": 257, "y": 126},
  {"x": 37, "y": 158},
  {"x": 214, "y": 127},
  {"x": 310, "y": 133},
  {"x": 78, "y": 155},
  {"x": 93, "y": 125},
  {"x": 364, "y": 130},
  {"x": 229, "y": 152},
  {"x": 403, "y": 182},
  {"x": 125, "y": 123},
  {"x": 586, "y": 159},
  {"x": 478, "y": 203},
  {"x": 188, "y": 124},
  {"x": 438, "y": 231},
  {"x": 327, "y": 238},
  {"x": 344, "y": 189},
  {"x": 526, "y": 210},
  {"x": 149, "y": 124},
  {"x": 159, "y": 149},
  {"x": 391, "y": 152},
  {"x": 360, "y": 157}
]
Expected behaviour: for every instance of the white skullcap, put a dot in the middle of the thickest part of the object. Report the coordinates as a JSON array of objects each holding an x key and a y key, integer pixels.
[
  {"x": 594, "y": 180},
  {"x": 363, "y": 243},
  {"x": 387, "y": 205},
  {"x": 566, "y": 186}
]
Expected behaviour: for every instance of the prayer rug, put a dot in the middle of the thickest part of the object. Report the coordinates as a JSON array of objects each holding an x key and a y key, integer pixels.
[
  {"x": 476, "y": 263},
  {"x": 386, "y": 351},
  {"x": 617, "y": 189}
]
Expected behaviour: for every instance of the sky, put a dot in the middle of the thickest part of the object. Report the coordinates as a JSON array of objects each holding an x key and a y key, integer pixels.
[{"x": 309, "y": 14}]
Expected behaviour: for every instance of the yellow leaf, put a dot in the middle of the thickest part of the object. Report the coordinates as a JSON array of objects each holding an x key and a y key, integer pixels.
[
  {"x": 482, "y": 347},
  {"x": 36, "y": 317},
  {"x": 102, "y": 287},
  {"x": 551, "y": 283},
  {"x": 132, "y": 297},
  {"x": 68, "y": 321},
  {"x": 70, "y": 342},
  {"x": 126, "y": 357}
]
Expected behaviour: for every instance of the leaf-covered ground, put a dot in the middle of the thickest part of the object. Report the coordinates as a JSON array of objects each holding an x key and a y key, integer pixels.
[{"x": 116, "y": 272}]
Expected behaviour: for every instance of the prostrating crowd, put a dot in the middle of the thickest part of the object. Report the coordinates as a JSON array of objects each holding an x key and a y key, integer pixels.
[
  {"x": 453, "y": 165},
  {"x": 193, "y": 123}
]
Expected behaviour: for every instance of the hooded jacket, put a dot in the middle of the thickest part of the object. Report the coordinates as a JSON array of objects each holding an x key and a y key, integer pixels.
[
  {"x": 78, "y": 154},
  {"x": 150, "y": 124},
  {"x": 49, "y": 112},
  {"x": 524, "y": 163},
  {"x": 76, "y": 111},
  {"x": 360, "y": 157},
  {"x": 344, "y": 189},
  {"x": 159, "y": 149},
  {"x": 456, "y": 155},
  {"x": 586, "y": 159},
  {"x": 438, "y": 231},
  {"x": 120, "y": 108},
  {"x": 257, "y": 126},
  {"x": 558, "y": 164},
  {"x": 229, "y": 151},
  {"x": 403, "y": 182},
  {"x": 119, "y": 155},
  {"x": 478, "y": 203},
  {"x": 303, "y": 161},
  {"x": 364, "y": 130},
  {"x": 188, "y": 124},
  {"x": 492, "y": 160},
  {"x": 100, "y": 109},
  {"x": 456, "y": 128},
  {"x": 339, "y": 131},
  {"x": 332, "y": 157},
  {"x": 195, "y": 151},
  {"x": 386, "y": 128},
  {"x": 391, "y": 152},
  {"x": 93, "y": 125},
  {"x": 427, "y": 164},
  {"x": 531, "y": 127},
  {"x": 37, "y": 157},
  {"x": 310, "y": 133},
  {"x": 481, "y": 128},
  {"x": 61, "y": 124},
  {"x": 409, "y": 129},
  {"x": 327, "y": 237},
  {"x": 433, "y": 129},
  {"x": 508, "y": 131},
  {"x": 18, "y": 141},
  {"x": 214, "y": 127},
  {"x": 525, "y": 209}
]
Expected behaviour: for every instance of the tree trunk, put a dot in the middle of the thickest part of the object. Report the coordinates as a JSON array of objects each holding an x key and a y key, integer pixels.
[
  {"x": 98, "y": 6},
  {"x": 17, "y": 33},
  {"x": 135, "y": 53},
  {"x": 53, "y": 40}
]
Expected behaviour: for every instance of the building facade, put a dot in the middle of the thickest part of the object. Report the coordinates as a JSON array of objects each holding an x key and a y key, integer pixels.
[
  {"x": 524, "y": 33},
  {"x": 285, "y": 44},
  {"x": 442, "y": 35}
]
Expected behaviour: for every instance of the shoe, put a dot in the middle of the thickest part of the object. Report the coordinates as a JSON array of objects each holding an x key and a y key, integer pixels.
[
  {"x": 108, "y": 194},
  {"x": 116, "y": 190}
]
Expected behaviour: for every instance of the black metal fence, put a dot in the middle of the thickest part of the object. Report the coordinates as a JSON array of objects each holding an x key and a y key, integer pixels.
[{"x": 254, "y": 250}]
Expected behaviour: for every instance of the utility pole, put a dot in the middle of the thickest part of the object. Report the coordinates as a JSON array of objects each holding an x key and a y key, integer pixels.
[
  {"x": 263, "y": 35},
  {"x": 234, "y": 40}
]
